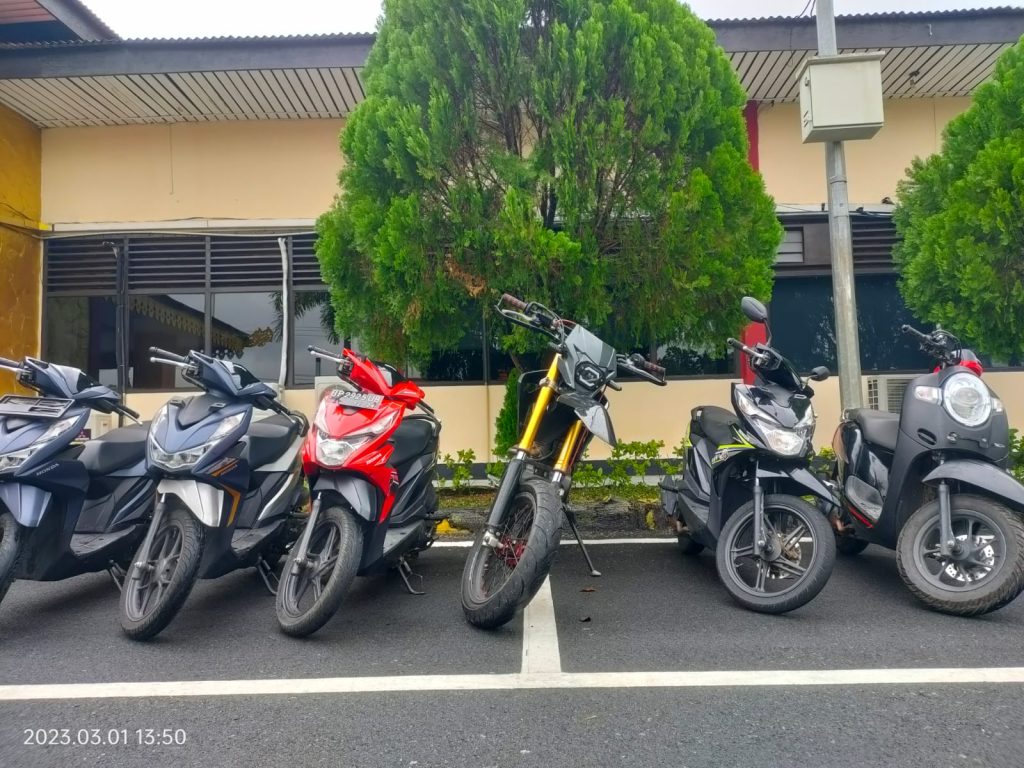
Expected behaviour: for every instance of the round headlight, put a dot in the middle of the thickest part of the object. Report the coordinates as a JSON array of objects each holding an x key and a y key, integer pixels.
[{"x": 967, "y": 399}]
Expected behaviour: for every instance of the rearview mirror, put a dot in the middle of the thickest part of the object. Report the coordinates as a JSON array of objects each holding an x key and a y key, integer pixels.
[
  {"x": 753, "y": 309},
  {"x": 819, "y": 373}
]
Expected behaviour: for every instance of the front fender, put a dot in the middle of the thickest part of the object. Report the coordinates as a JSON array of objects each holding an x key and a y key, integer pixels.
[
  {"x": 26, "y": 503},
  {"x": 360, "y": 495},
  {"x": 799, "y": 479},
  {"x": 204, "y": 501},
  {"x": 981, "y": 475},
  {"x": 593, "y": 414}
]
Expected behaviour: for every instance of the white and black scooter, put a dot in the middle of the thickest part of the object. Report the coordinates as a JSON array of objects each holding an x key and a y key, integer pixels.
[
  {"x": 67, "y": 507},
  {"x": 230, "y": 489},
  {"x": 747, "y": 473}
]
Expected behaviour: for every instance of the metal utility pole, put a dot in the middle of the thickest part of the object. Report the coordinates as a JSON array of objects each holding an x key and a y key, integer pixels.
[{"x": 840, "y": 234}]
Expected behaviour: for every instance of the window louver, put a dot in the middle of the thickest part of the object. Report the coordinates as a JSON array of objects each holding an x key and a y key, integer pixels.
[
  {"x": 80, "y": 265},
  {"x": 171, "y": 263},
  {"x": 241, "y": 262},
  {"x": 305, "y": 266},
  {"x": 873, "y": 241}
]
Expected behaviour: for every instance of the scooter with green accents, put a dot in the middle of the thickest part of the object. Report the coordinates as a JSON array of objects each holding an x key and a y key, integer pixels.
[{"x": 747, "y": 475}]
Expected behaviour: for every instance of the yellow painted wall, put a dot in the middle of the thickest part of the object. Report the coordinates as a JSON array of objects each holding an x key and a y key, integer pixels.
[
  {"x": 795, "y": 172},
  {"x": 640, "y": 412},
  {"x": 20, "y": 252},
  {"x": 274, "y": 169}
]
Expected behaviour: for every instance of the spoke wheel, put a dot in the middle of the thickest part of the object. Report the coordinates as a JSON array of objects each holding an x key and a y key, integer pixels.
[
  {"x": 983, "y": 572},
  {"x": 160, "y": 578},
  {"x": 790, "y": 569},
  {"x": 498, "y": 580},
  {"x": 311, "y": 592}
]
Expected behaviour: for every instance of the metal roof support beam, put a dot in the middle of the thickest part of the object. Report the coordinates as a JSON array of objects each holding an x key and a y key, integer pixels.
[
  {"x": 879, "y": 31},
  {"x": 149, "y": 57}
]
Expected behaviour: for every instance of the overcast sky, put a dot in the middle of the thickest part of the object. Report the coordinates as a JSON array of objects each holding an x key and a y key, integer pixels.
[{"x": 202, "y": 18}]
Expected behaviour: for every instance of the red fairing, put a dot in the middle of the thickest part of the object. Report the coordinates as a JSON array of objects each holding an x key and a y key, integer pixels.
[{"x": 366, "y": 430}]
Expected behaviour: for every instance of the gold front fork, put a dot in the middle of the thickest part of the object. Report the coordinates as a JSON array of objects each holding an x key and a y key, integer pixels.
[
  {"x": 569, "y": 447},
  {"x": 540, "y": 406}
]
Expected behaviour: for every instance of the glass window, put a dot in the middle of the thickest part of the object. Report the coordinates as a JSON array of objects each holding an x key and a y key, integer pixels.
[
  {"x": 679, "y": 360},
  {"x": 791, "y": 249},
  {"x": 802, "y": 316},
  {"x": 80, "y": 332},
  {"x": 247, "y": 330},
  {"x": 175, "y": 322},
  {"x": 313, "y": 319},
  {"x": 464, "y": 363}
]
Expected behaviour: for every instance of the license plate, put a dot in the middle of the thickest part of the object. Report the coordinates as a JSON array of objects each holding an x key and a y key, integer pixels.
[{"x": 363, "y": 400}]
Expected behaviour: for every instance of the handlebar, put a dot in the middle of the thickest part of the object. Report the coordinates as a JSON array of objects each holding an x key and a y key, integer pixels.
[
  {"x": 940, "y": 344},
  {"x": 318, "y": 352},
  {"x": 738, "y": 345},
  {"x": 648, "y": 366},
  {"x": 169, "y": 355},
  {"x": 637, "y": 364},
  {"x": 512, "y": 301},
  {"x": 270, "y": 404},
  {"x": 8, "y": 363},
  {"x": 129, "y": 412}
]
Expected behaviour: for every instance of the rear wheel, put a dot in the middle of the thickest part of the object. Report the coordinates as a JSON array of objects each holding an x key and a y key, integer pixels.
[
  {"x": 160, "y": 579},
  {"x": 12, "y": 536},
  {"x": 308, "y": 595},
  {"x": 983, "y": 573},
  {"x": 795, "y": 564},
  {"x": 499, "y": 580}
]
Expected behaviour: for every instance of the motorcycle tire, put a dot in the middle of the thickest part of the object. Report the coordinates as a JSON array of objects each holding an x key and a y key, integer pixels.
[
  {"x": 813, "y": 575},
  {"x": 12, "y": 537},
  {"x": 687, "y": 545},
  {"x": 975, "y": 596},
  {"x": 330, "y": 581},
  {"x": 498, "y": 581},
  {"x": 849, "y": 546},
  {"x": 178, "y": 548}
]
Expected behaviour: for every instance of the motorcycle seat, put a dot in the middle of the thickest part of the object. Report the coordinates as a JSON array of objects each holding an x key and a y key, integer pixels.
[
  {"x": 880, "y": 428},
  {"x": 716, "y": 423},
  {"x": 269, "y": 438},
  {"x": 413, "y": 438},
  {"x": 118, "y": 448}
]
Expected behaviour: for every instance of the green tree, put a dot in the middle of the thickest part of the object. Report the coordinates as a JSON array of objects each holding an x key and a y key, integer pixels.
[
  {"x": 961, "y": 216},
  {"x": 590, "y": 154}
]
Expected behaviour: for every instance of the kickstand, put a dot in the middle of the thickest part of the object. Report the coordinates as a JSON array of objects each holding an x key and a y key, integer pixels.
[
  {"x": 571, "y": 517},
  {"x": 405, "y": 571},
  {"x": 117, "y": 573},
  {"x": 268, "y": 575}
]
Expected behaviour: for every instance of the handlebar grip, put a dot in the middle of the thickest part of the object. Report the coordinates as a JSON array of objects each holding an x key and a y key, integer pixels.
[
  {"x": 512, "y": 301},
  {"x": 129, "y": 411},
  {"x": 650, "y": 367},
  {"x": 166, "y": 354},
  {"x": 319, "y": 351},
  {"x": 8, "y": 363},
  {"x": 911, "y": 331},
  {"x": 734, "y": 343}
]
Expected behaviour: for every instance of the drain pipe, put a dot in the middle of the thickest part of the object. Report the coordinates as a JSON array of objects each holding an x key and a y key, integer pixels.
[{"x": 282, "y": 376}]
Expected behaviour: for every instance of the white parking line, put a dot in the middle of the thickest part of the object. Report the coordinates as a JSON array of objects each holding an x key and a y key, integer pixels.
[
  {"x": 416, "y": 683},
  {"x": 572, "y": 542},
  {"x": 540, "y": 634}
]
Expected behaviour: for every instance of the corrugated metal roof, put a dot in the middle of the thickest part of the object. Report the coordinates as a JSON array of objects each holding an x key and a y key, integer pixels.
[
  {"x": 143, "y": 42},
  {"x": 893, "y": 15},
  {"x": 273, "y": 94},
  {"x": 23, "y": 12}
]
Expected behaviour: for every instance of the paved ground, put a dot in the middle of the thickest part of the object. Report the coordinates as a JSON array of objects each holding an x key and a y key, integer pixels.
[{"x": 334, "y": 700}]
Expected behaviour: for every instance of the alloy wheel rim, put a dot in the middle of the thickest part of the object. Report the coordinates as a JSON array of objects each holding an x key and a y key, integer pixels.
[
  {"x": 786, "y": 560},
  {"x": 145, "y": 593},
  {"x": 497, "y": 564},
  {"x": 983, "y": 552},
  {"x": 321, "y": 557}
]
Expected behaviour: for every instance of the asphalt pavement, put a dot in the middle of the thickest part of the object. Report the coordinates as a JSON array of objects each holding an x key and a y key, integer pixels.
[{"x": 653, "y": 611}]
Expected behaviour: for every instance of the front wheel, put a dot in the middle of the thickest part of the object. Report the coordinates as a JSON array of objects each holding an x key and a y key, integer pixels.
[
  {"x": 498, "y": 580},
  {"x": 794, "y": 565},
  {"x": 161, "y": 577},
  {"x": 309, "y": 594},
  {"x": 985, "y": 570},
  {"x": 12, "y": 537}
]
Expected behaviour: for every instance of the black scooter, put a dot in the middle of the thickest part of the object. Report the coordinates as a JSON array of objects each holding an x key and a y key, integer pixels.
[
  {"x": 931, "y": 483},
  {"x": 68, "y": 507},
  {"x": 230, "y": 489},
  {"x": 746, "y": 475}
]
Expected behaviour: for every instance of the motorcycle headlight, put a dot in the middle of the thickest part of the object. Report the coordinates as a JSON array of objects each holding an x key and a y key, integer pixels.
[
  {"x": 780, "y": 439},
  {"x": 334, "y": 452},
  {"x": 15, "y": 459},
  {"x": 966, "y": 398},
  {"x": 189, "y": 457}
]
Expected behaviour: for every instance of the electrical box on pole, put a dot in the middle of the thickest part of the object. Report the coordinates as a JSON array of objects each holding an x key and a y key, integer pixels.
[{"x": 841, "y": 97}]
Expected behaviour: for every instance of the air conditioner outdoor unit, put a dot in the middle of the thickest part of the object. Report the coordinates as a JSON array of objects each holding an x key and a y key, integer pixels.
[{"x": 885, "y": 393}]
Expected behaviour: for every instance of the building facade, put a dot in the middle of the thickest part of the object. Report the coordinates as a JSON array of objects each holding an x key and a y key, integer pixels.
[{"x": 163, "y": 193}]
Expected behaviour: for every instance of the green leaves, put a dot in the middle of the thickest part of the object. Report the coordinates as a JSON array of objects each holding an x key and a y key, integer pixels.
[
  {"x": 961, "y": 215},
  {"x": 589, "y": 154}
]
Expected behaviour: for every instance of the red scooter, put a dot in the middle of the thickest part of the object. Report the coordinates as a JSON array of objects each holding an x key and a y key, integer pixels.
[{"x": 371, "y": 463}]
